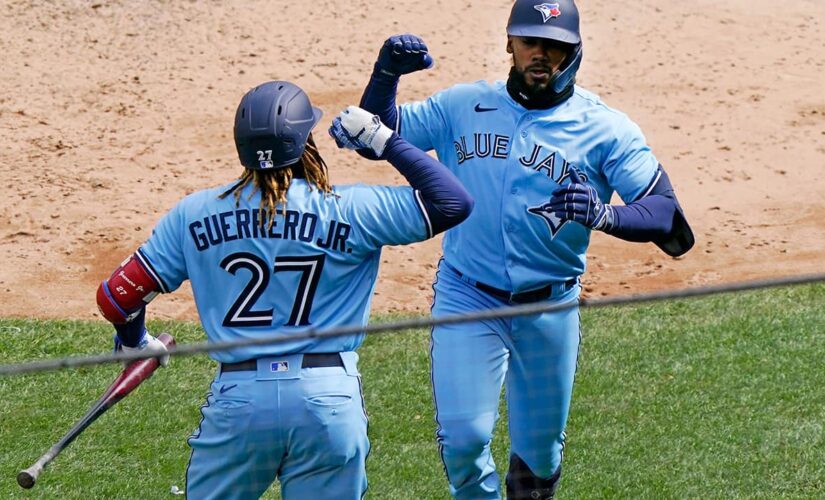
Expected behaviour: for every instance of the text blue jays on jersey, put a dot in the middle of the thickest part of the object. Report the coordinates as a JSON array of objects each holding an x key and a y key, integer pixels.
[
  {"x": 243, "y": 223},
  {"x": 483, "y": 145}
]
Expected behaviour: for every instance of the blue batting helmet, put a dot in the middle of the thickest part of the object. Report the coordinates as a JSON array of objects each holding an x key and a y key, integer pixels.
[
  {"x": 557, "y": 20},
  {"x": 272, "y": 125}
]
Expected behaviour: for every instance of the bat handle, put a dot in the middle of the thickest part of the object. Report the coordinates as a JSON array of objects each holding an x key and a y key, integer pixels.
[{"x": 27, "y": 477}]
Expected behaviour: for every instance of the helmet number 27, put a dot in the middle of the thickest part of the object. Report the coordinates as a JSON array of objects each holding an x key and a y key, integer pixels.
[{"x": 265, "y": 159}]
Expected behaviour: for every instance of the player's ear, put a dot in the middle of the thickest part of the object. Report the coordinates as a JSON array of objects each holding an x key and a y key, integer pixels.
[{"x": 509, "y": 44}]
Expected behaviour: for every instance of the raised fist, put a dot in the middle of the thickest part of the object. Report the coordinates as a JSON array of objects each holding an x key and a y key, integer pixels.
[
  {"x": 403, "y": 54},
  {"x": 355, "y": 128}
]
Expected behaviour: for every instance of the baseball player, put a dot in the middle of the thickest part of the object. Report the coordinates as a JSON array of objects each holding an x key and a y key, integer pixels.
[
  {"x": 277, "y": 252},
  {"x": 542, "y": 158}
]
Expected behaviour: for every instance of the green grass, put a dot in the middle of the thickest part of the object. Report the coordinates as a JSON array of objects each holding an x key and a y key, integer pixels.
[{"x": 722, "y": 397}]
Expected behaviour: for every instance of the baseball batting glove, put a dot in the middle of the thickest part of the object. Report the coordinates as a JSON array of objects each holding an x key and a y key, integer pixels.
[
  {"x": 148, "y": 343},
  {"x": 403, "y": 54},
  {"x": 578, "y": 201},
  {"x": 355, "y": 128}
]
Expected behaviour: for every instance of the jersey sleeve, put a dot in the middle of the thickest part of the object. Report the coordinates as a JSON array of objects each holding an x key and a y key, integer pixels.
[
  {"x": 630, "y": 166},
  {"x": 386, "y": 215},
  {"x": 163, "y": 254},
  {"x": 424, "y": 123}
]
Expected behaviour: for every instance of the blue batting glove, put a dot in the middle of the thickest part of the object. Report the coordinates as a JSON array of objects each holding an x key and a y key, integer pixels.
[
  {"x": 579, "y": 201},
  {"x": 342, "y": 138},
  {"x": 403, "y": 54}
]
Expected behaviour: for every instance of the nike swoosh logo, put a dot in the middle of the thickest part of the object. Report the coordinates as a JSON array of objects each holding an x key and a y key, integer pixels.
[
  {"x": 227, "y": 387},
  {"x": 479, "y": 109}
]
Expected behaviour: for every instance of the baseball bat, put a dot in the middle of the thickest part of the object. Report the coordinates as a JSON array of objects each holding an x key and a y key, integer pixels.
[{"x": 131, "y": 377}]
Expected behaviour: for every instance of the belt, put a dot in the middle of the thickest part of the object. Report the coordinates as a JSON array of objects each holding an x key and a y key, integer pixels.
[
  {"x": 536, "y": 295},
  {"x": 311, "y": 360}
]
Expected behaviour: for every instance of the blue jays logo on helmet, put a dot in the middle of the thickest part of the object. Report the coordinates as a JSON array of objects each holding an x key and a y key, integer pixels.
[
  {"x": 548, "y": 11},
  {"x": 553, "y": 222}
]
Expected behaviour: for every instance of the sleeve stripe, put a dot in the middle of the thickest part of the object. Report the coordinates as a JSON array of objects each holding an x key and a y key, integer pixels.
[
  {"x": 424, "y": 213},
  {"x": 652, "y": 184},
  {"x": 398, "y": 120},
  {"x": 155, "y": 276}
]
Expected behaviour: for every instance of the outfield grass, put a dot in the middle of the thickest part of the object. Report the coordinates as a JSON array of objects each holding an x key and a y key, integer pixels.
[{"x": 722, "y": 397}]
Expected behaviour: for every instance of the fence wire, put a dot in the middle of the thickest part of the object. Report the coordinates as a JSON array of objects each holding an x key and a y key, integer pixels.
[{"x": 426, "y": 322}]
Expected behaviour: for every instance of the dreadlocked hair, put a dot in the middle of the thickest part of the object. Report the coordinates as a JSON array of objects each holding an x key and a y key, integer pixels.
[{"x": 274, "y": 184}]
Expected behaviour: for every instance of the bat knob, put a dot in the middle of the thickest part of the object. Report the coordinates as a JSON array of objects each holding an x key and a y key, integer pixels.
[
  {"x": 167, "y": 339},
  {"x": 25, "y": 479}
]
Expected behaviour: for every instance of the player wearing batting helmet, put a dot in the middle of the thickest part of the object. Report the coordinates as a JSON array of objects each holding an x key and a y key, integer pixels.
[
  {"x": 278, "y": 252},
  {"x": 542, "y": 157}
]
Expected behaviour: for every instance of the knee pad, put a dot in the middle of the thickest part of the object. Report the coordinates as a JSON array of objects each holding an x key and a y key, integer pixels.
[{"x": 522, "y": 484}]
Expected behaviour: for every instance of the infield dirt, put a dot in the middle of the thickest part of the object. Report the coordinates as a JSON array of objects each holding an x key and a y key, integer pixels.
[{"x": 111, "y": 111}]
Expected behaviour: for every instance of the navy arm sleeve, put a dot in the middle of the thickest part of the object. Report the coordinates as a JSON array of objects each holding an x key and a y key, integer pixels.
[
  {"x": 130, "y": 334},
  {"x": 656, "y": 217},
  {"x": 379, "y": 99},
  {"x": 644, "y": 220},
  {"x": 444, "y": 199}
]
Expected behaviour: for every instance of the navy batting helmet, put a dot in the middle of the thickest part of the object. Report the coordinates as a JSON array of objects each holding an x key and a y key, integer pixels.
[
  {"x": 272, "y": 125},
  {"x": 558, "y": 20}
]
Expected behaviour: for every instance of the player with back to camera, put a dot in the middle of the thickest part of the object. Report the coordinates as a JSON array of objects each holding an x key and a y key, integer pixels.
[
  {"x": 541, "y": 157},
  {"x": 278, "y": 252}
]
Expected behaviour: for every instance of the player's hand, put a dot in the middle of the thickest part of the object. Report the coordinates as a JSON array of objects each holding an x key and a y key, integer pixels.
[
  {"x": 403, "y": 54},
  {"x": 579, "y": 201},
  {"x": 150, "y": 344},
  {"x": 355, "y": 128}
]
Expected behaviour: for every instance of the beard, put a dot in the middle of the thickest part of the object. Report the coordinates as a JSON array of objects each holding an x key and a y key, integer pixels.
[
  {"x": 535, "y": 88},
  {"x": 536, "y": 95}
]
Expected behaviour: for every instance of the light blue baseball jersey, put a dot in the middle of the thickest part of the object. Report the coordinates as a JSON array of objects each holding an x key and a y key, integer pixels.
[
  {"x": 511, "y": 159},
  {"x": 315, "y": 267}
]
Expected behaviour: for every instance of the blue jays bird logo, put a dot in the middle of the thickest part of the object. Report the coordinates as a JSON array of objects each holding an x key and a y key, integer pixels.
[
  {"x": 548, "y": 10},
  {"x": 554, "y": 223}
]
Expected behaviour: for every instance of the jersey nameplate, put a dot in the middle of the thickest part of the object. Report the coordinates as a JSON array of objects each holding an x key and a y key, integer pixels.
[{"x": 223, "y": 227}]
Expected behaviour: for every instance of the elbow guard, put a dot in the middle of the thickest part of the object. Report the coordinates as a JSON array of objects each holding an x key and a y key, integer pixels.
[{"x": 127, "y": 291}]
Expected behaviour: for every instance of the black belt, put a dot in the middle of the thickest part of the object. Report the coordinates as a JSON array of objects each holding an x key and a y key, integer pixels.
[
  {"x": 311, "y": 360},
  {"x": 543, "y": 293}
]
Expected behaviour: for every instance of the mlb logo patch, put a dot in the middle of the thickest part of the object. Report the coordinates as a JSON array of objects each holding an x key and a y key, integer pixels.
[
  {"x": 548, "y": 11},
  {"x": 265, "y": 164},
  {"x": 279, "y": 366}
]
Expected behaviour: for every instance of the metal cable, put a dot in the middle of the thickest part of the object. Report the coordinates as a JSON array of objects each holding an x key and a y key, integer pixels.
[{"x": 501, "y": 312}]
